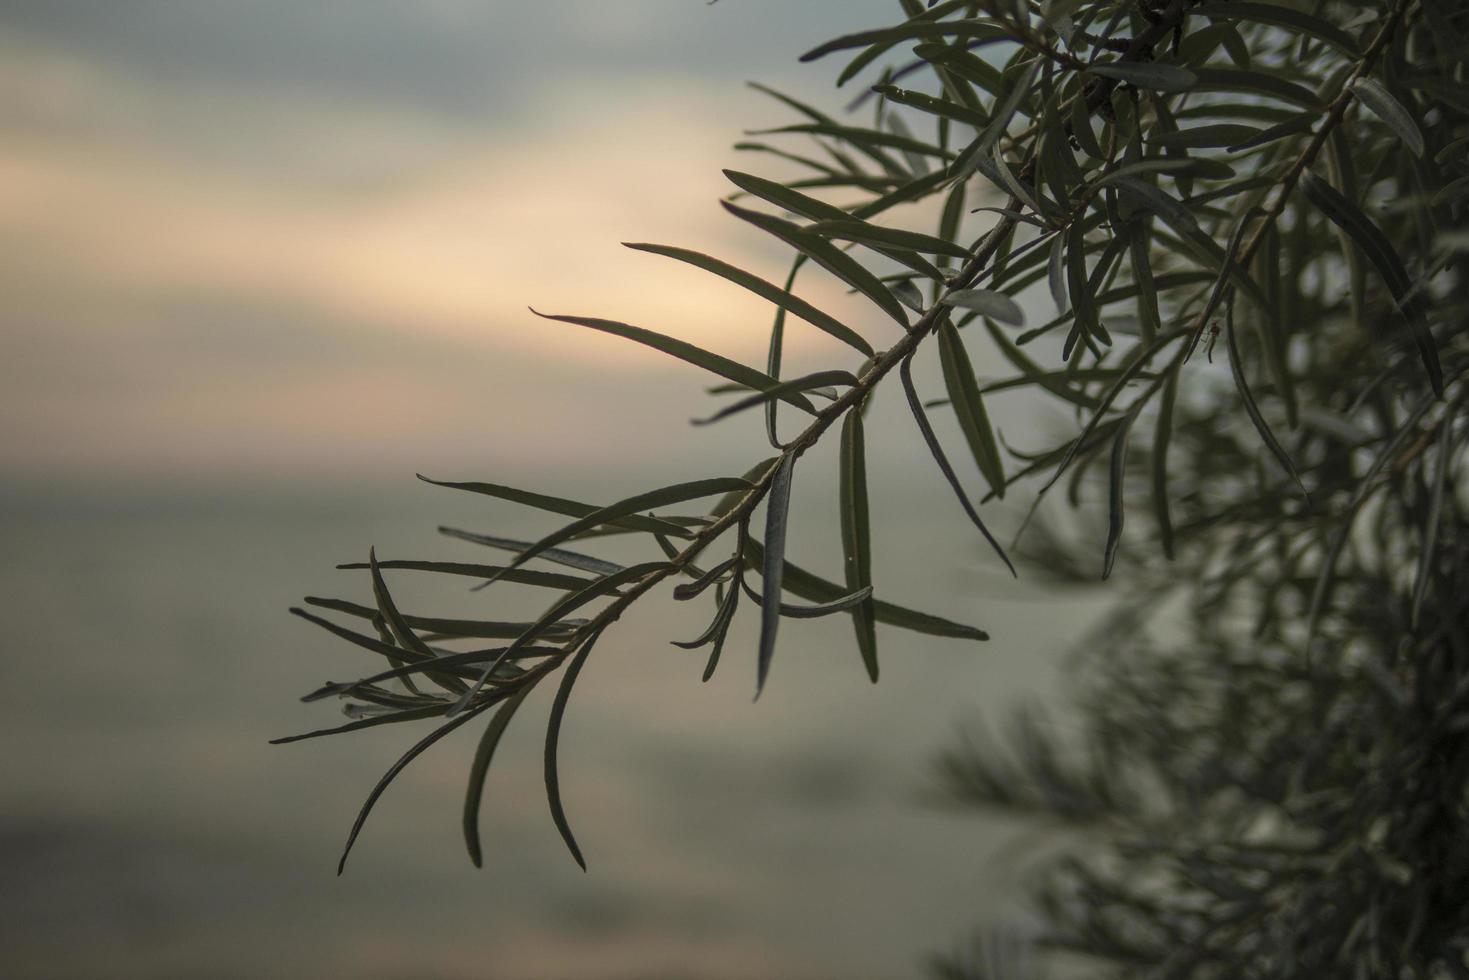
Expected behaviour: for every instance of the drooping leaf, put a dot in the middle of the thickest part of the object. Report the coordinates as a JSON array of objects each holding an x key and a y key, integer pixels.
[
  {"x": 423, "y": 745},
  {"x": 1056, "y": 274},
  {"x": 856, "y": 535},
  {"x": 778, "y": 502},
  {"x": 1376, "y": 97},
  {"x": 1163, "y": 435},
  {"x": 484, "y": 754},
  {"x": 1116, "y": 509},
  {"x": 1442, "y": 464},
  {"x": 968, "y": 405},
  {"x": 930, "y": 438},
  {"x": 553, "y": 740},
  {"x": 1379, "y": 251}
]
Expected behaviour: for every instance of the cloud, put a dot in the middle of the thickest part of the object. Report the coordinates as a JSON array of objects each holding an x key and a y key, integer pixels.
[{"x": 171, "y": 302}]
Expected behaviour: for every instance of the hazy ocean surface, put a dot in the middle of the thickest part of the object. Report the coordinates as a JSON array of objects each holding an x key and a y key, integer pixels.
[{"x": 148, "y": 830}]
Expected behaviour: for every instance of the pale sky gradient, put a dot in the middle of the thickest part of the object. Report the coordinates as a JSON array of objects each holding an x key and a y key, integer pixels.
[{"x": 283, "y": 238}]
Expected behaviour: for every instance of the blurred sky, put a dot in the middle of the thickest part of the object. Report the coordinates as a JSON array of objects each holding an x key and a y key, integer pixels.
[{"x": 285, "y": 238}]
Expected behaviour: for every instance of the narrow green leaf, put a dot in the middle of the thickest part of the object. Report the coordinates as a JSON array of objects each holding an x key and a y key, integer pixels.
[
  {"x": 723, "y": 620},
  {"x": 1375, "y": 97},
  {"x": 1081, "y": 129},
  {"x": 798, "y": 581},
  {"x": 908, "y": 294},
  {"x": 1056, "y": 274},
  {"x": 484, "y": 754},
  {"x": 998, "y": 171},
  {"x": 1083, "y": 303},
  {"x": 394, "y": 718},
  {"x": 1200, "y": 247},
  {"x": 1205, "y": 137},
  {"x": 1138, "y": 243},
  {"x": 933, "y": 105},
  {"x": 801, "y": 107},
  {"x": 423, "y": 745},
  {"x": 765, "y": 290},
  {"x": 720, "y": 622},
  {"x": 910, "y": 31},
  {"x": 856, "y": 536},
  {"x": 1452, "y": 191},
  {"x": 805, "y": 383},
  {"x": 777, "y": 512},
  {"x": 828, "y": 256},
  {"x": 1379, "y": 251},
  {"x": 677, "y": 493},
  {"x": 1163, "y": 434},
  {"x": 571, "y": 559},
  {"x": 557, "y": 613},
  {"x": 462, "y": 663},
  {"x": 520, "y": 576},
  {"x": 553, "y": 739},
  {"x": 1427, "y": 550},
  {"x": 402, "y": 632},
  {"x": 481, "y": 629},
  {"x": 1149, "y": 75},
  {"x": 1237, "y": 369},
  {"x": 684, "y": 351},
  {"x": 696, "y": 588},
  {"x": 865, "y": 233},
  {"x": 792, "y": 611},
  {"x": 1366, "y": 484},
  {"x": 870, "y": 141},
  {"x": 987, "y": 302},
  {"x": 1278, "y": 15},
  {"x": 1117, "y": 470},
  {"x": 980, "y": 152},
  {"x": 1237, "y": 81},
  {"x": 930, "y": 438},
  {"x": 968, "y": 405},
  {"x": 1291, "y": 127},
  {"x": 755, "y": 473},
  {"x": 559, "y": 505}
]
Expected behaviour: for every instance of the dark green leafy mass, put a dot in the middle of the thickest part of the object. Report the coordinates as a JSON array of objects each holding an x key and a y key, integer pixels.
[{"x": 1075, "y": 200}]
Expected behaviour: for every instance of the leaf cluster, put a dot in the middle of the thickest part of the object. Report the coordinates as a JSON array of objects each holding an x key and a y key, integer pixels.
[{"x": 1160, "y": 173}]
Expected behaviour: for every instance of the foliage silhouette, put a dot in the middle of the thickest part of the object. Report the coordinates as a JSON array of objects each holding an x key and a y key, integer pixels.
[{"x": 1282, "y": 791}]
